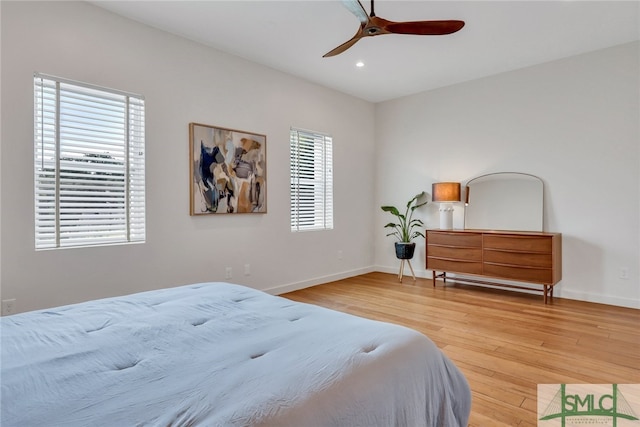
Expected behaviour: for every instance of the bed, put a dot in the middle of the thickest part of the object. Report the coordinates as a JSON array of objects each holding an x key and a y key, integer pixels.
[{"x": 218, "y": 354}]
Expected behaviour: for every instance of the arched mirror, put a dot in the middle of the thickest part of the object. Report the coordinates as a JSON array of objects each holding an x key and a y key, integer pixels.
[{"x": 504, "y": 201}]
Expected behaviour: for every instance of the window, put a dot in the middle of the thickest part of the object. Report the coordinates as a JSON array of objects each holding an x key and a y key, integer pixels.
[
  {"x": 311, "y": 181},
  {"x": 89, "y": 165}
]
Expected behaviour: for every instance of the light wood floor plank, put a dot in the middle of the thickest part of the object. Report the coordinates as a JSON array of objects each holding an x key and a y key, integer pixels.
[{"x": 506, "y": 343}]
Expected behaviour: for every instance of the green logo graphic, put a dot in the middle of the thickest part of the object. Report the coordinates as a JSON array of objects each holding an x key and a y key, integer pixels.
[{"x": 586, "y": 407}]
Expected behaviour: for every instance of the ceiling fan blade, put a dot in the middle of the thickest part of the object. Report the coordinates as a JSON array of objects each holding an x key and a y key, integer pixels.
[
  {"x": 372, "y": 25},
  {"x": 426, "y": 28},
  {"x": 344, "y": 46},
  {"x": 355, "y": 7}
]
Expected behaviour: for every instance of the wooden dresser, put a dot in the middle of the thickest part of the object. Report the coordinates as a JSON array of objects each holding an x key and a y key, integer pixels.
[{"x": 531, "y": 257}]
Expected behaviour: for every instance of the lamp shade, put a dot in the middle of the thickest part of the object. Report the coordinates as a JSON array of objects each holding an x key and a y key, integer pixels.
[{"x": 445, "y": 192}]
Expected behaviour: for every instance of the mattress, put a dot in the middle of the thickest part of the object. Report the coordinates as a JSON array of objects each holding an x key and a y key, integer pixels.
[{"x": 218, "y": 354}]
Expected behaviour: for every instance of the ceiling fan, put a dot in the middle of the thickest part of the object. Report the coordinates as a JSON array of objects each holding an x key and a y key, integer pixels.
[{"x": 371, "y": 25}]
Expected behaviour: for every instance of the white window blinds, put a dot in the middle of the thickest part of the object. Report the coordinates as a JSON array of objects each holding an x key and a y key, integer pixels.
[
  {"x": 89, "y": 165},
  {"x": 311, "y": 157}
]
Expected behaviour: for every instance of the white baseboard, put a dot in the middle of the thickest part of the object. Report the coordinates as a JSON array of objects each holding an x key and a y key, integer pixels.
[
  {"x": 281, "y": 289},
  {"x": 427, "y": 274},
  {"x": 598, "y": 298},
  {"x": 559, "y": 292}
]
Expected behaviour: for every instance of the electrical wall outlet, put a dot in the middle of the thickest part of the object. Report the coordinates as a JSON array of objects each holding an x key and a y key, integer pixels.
[
  {"x": 624, "y": 273},
  {"x": 340, "y": 254},
  {"x": 8, "y": 306},
  {"x": 247, "y": 269},
  {"x": 228, "y": 273}
]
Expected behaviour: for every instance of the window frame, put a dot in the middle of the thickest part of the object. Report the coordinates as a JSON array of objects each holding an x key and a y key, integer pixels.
[
  {"x": 311, "y": 191},
  {"x": 89, "y": 165}
]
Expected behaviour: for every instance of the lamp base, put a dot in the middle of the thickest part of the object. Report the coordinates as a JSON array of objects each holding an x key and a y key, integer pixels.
[{"x": 446, "y": 216}]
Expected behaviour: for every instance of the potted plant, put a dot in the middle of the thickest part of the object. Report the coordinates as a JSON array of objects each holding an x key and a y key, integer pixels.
[{"x": 405, "y": 227}]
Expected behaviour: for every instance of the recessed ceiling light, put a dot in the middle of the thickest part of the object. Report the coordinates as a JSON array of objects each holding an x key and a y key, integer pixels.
[{"x": 359, "y": 64}]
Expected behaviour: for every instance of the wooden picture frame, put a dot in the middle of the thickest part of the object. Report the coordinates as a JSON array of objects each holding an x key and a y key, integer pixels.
[{"x": 228, "y": 170}]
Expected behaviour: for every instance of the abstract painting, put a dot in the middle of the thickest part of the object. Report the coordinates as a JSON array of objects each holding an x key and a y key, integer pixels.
[{"x": 227, "y": 170}]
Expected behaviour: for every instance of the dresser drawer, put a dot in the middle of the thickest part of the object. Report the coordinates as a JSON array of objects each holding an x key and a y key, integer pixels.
[
  {"x": 529, "y": 259},
  {"x": 534, "y": 275},
  {"x": 449, "y": 252},
  {"x": 469, "y": 240},
  {"x": 454, "y": 266},
  {"x": 520, "y": 243}
]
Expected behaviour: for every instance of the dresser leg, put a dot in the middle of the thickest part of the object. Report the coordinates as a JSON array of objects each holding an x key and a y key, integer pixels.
[
  {"x": 546, "y": 289},
  {"x": 436, "y": 275}
]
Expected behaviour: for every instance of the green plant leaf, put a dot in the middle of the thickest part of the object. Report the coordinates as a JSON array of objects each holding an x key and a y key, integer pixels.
[
  {"x": 404, "y": 230},
  {"x": 392, "y": 209}
]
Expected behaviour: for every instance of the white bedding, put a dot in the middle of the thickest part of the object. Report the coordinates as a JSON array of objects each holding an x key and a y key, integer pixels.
[{"x": 218, "y": 354}]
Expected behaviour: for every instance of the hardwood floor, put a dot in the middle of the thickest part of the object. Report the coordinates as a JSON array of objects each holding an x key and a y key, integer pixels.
[{"x": 504, "y": 342}]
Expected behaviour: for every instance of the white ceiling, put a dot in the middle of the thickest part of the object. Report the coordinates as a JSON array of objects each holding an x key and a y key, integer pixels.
[{"x": 292, "y": 36}]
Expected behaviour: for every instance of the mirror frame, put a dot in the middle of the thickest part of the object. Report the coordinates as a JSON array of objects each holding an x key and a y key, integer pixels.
[{"x": 512, "y": 214}]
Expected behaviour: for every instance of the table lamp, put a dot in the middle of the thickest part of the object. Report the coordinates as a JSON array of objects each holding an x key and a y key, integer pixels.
[{"x": 446, "y": 193}]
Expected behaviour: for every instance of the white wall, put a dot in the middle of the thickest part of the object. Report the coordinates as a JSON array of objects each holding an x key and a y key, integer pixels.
[
  {"x": 183, "y": 82},
  {"x": 573, "y": 122}
]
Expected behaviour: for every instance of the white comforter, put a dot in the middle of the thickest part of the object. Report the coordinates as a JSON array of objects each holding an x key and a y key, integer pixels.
[{"x": 218, "y": 354}]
